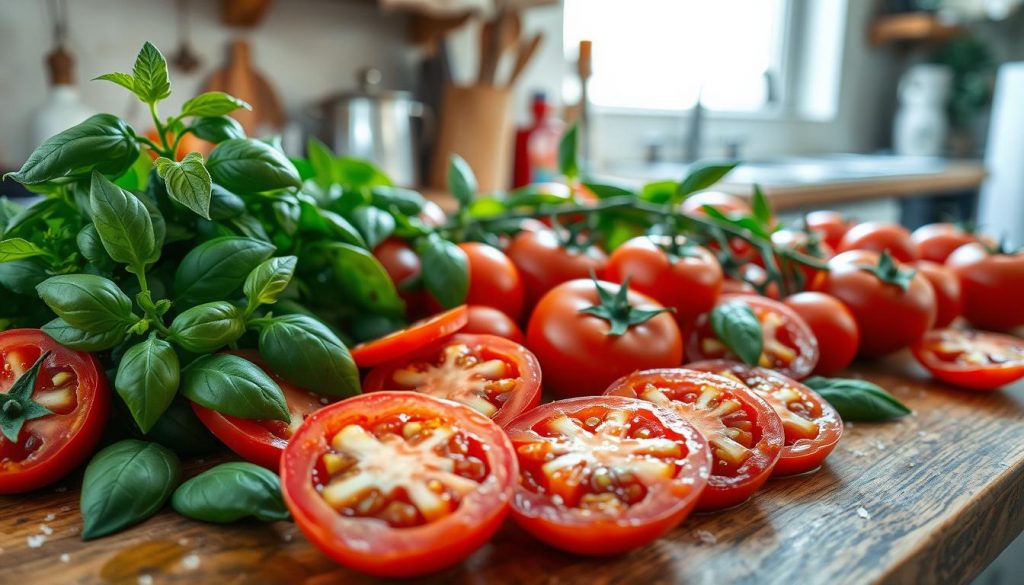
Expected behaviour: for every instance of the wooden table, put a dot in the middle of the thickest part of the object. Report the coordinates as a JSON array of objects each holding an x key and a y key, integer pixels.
[{"x": 932, "y": 498}]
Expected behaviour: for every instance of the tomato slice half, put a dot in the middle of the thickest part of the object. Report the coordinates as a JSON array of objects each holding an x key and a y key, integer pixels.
[
  {"x": 398, "y": 484},
  {"x": 977, "y": 360},
  {"x": 494, "y": 376},
  {"x": 789, "y": 344},
  {"x": 71, "y": 385},
  {"x": 262, "y": 441},
  {"x": 423, "y": 332},
  {"x": 744, "y": 434},
  {"x": 605, "y": 474},
  {"x": 812, "y": 426}
]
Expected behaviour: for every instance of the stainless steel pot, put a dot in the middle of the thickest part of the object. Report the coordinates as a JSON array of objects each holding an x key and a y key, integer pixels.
[{"x": 377, "y": 125}]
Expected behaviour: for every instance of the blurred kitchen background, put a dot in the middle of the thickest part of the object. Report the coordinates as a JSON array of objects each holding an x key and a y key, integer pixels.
[{"x": 891, "y": 109}]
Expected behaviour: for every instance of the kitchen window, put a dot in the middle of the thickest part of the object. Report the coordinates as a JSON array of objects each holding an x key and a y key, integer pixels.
[{"x": 662, "y": 54}]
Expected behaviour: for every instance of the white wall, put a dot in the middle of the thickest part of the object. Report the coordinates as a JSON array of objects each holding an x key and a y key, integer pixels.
[{"x": 305, "y": 48}]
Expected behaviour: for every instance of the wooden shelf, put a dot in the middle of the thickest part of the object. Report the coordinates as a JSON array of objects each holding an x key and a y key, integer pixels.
[{"x": 914, "y": 27}]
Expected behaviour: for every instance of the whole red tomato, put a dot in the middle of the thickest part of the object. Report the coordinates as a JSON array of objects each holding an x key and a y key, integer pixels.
[
  {"x": 808, "y": 243},
  {"x": 893, "y": 304},
  {"x": 544, "y": 263},
  {"x": 678, "y": 275},
  {"x": 586, "y": 337},
  {"x": 834, "y": 327},
  {"x": 991, "y": 284},
  {"x": 491, "y": 321},
  {"x": 936, "y": 241},
  {"x": 831, "y": 225},
  {"x": 879, "y": 236},
  {"x": 724, "y": 202},
  {"x": 748, "y": 279},
  {"x": 402, "y": 264},
  {"x": 493, "y": 279},
  {"x": 949, "y": 301}
]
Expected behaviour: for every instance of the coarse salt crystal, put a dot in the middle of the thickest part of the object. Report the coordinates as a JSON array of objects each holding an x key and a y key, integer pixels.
[
  {"x": 863, "y": 513},
  {"x": 324, "y": 401},
  {"x": 183, "y": 541},
  {"x": 705, "y": 537},
  {"x": 49, "y": 517},
  {"x": 36, "y": 540},
  {"x": 64, "y": 558},
  {"x": 45, "y": 529},
  {"x": 65, "y": 509},
  {"x": 190, "y": 562},
  {"x": 145, "y": 580}
]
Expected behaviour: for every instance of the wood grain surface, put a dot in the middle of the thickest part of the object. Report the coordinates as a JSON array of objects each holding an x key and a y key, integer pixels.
[{"x": 932, "y": 498}]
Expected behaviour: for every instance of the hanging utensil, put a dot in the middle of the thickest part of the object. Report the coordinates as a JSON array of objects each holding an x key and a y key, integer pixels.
[{"x": 185, "y": 58}]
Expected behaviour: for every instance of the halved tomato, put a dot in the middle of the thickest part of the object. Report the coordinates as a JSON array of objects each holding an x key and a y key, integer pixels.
[
  {"x": 744, "y": 433},
  {"x": 415, "y": 336},
  {"x": 602, "y": 475},
  {"x": 262, "y": 441},
  {"x": 398, "y": 484},
  {"x": 812, "y": 426},
  {"x": 491, "y": 375},
  {"x": 789, "y": 344},
  {"x": 978, "y": 360},
  {"x": 58, "y": 421}
]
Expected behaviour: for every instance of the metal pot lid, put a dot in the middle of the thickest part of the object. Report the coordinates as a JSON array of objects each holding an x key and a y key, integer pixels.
[{"x": 369, "y": 79}]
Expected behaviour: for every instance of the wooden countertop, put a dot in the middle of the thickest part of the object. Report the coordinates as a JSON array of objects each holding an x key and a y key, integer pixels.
[{"x": 932, "y": 498}]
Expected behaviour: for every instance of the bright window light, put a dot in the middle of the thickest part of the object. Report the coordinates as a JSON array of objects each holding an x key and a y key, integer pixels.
[{"x": 660, "y": 54}]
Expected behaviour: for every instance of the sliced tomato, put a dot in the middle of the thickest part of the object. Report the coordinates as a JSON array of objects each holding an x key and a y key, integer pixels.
[
  {"x": 415, "y": 336},
  {"x": 744, "y": 433},
  {"x": 262, "y": 441},
  {"x": 789, "y": 344},
  {"x": 494, "y": 376},
  {"x": 812, "y": 426},
  {"x": 398, "y": 484},
  {"x": 602, "y": 475},
  {"x": 978, "y": 360},
  {"x": 72, "y": 387}
]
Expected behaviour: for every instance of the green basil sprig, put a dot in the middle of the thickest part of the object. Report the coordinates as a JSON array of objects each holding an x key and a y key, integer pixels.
[
  {"x": 124, "y": 484},
  {"x": 208, "y": 327},
  {"x": 215, "y": 269},
  {"x": 124, "y": 224},
  {"x": 88, "y": 302},
  {"x": 234, "y": 386},
  {"x": 268, "y": 280},
  {"x": 147, "y": 380},
  {"x": 103, "y": 142},
  {"x": 736, "y": 326},
  {"x": 188, "y": 182},
  {"x": 249, "y": 165},
  {"x": 230, "y": 492},
  {"x": 858, "y": 400},
  {"x": 304, "y": 351}
]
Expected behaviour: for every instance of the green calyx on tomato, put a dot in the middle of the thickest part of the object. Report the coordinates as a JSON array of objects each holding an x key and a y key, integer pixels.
[
  {"x": 890, "y": 272},
  {"x": 18, "y": 407},
  {"x": 615, "y": 309}
]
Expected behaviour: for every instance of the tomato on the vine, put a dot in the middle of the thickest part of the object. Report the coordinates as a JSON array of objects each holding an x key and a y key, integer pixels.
[
  {"x": 807, "y": 243},
  {"x": 811, "y": 425},
  {"x": 833, "y": 326},
  {"x": 603, "y": 475},
  {"x": 491, "y": 321},
  {"x": 403, "y": 265},
  {"x": 893, "y": 304},
  {"x": 494, "y": 280},
  {"x": 789, "y": 344},
  {"x": 879, "y": 236},
  {"x": 262, "y": 441},
  {"x": 678, "y": 274},
  {"x": 744, "y": 433},
  {"x": 949, "y": 301},
  {"x": 412, "y": 338},
  {"x": 728, "y": 204},
  {"x": 57, "y": 421},
  {"x": 831, "y": 225},
  {"x": 491, "y": 375},
  {"x": 398, "y": 484},
  {"x": 991, "y": 284},
  {"x": 978, "y": 360},
  {"x": 936, "y": 241},
  {"x": 586, "y": 334},
  {"x": 544, "y": 263}
]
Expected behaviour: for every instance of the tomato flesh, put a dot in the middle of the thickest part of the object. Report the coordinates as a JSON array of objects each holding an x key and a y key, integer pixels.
[
  {"x": 744, "y": 434},
  {"x": 977, "y": 360},
  {"x": 602, "y": 475}
]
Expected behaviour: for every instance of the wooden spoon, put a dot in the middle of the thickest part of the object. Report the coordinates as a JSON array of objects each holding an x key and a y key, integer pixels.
[{"x": 524, "y": 54}]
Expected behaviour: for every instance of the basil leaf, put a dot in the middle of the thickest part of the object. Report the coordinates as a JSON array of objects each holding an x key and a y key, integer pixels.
[
  {"x": 322, "y": 161},
  {"x": 363, "y": 280},
  {"x": 217, "y": 129},
  {"x": 91, "y": 247},
  {"x": 338, "y": 227},
  {"x": 80, "y": 340},
  {"x": 234, "y": 386},
  {"x": 659, "y": 191},
  {"x": 568, "y": 159},
  {"x": 374, "y": 225},
  {"x": 188, "y": 182},
  {"x": 103, "y": 142},
  {"x": 606, "y": 190},
  {"x": 738, "y": 328},
  {"x": 269, "y": 279},
  {"x": 125, "y": 80},
  {"x": 230, "y": 492},
  {"x": 124, "y": 484},
  {"x": 404, "y": 201},
  {"x": 20, "y": 249},
  {"x": 150, "y": 72},
  {"x": 761, "y": 208},
  {"x": 287, "y": 214},
  {"x": 213, "y": 103},
  {"x": 445, "y": 271},
  {"x": 461, "y": 181},
  {"x": 88, "y": 302},
  {"x": 136, "y": 178},
  {"x": 224, "y": 204},
  {"x": 23, "y": 276},
  {"x": 305, "y": 352},
  {"x": 208, "y": 327},
  {"x": 147, "y": 380},
  {"x": 217, "y": 268},
  {"x": 123, "y": 223},
  {"x": 356, "y": 172},
  {"x": 701, "y": 176},
  {"x": 857, "y": 400},
  {"x": 249, "y": 165},
  {"x": 180, "y": 430}
]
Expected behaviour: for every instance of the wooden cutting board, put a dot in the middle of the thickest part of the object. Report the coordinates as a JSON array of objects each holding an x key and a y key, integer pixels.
[{"x": 239, "y": 78}]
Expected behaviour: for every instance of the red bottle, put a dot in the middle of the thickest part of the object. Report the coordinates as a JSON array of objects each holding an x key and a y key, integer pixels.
[{"x": 537, "y": 146}]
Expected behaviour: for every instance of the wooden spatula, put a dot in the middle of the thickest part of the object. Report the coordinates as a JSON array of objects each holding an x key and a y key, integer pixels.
[{"x": 239, "y": 79}]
